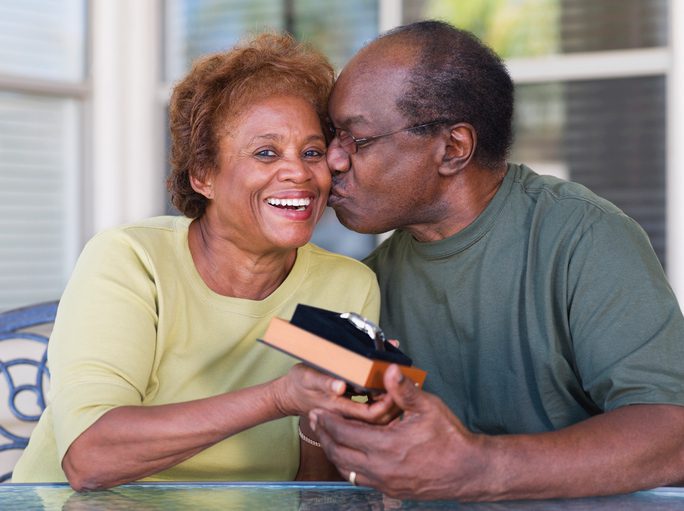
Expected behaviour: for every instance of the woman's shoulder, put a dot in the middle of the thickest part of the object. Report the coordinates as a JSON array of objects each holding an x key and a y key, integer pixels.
[
  {"x": 335, "y": 263},
  {"x": 153, "y": 239},
  {"x": 150, "y": 226},
  {"x": 143, "y": 232}
]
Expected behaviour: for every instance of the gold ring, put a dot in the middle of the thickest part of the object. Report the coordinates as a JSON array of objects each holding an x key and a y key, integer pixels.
[{"x": 352, "y": 478}]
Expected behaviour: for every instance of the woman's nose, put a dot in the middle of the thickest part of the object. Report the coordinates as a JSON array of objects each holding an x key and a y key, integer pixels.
[{"x": 295, "y": 169}]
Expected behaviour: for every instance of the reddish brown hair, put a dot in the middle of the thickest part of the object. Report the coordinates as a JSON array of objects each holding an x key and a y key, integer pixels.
[{"x": 220, "y": 87}]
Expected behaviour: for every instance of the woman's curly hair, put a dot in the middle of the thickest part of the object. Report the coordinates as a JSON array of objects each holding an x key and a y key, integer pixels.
[{"x": 220, "y": 87}]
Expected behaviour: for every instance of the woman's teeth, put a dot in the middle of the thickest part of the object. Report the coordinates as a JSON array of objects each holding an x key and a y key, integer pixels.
[{"x": 298, "y": 204}]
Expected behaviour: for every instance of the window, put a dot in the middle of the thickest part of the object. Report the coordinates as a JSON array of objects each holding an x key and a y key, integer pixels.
[
  {"x": 606, "y": 134},
  {"x": 531, "y": 28},
  {"x": 42, "y": 70},
  {"x": 81, "y": 141},
  {"x": 195, "y": 28},
  {"x": 590, "y": 91}
]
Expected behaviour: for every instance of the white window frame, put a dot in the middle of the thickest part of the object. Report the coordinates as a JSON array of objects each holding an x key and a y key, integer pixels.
[
  {"x": 120, "y": 169},
  {"x": 127, "y": 171},
  {"x": 75, "y": 211},
  {"x": 675, "y": 154}
]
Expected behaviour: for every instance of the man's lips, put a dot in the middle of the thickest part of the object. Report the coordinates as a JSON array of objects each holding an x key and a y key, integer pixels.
[
  {"x": 337, "y": 189},
  {"x": 336, "y": 197}
]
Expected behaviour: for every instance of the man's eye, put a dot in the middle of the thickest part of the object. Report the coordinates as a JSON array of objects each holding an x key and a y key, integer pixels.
[{"x": 266, "y": 153}]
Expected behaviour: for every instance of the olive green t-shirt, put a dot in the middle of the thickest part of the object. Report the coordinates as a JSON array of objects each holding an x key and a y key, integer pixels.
[
  {"x": 137, "y": 325},
  {"x": 549, "y": 308}
]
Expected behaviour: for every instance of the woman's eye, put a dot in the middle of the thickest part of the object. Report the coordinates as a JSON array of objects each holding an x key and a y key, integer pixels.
[
  {"x": 266, "y": 153},
  {"x": 314, "y": 154}
]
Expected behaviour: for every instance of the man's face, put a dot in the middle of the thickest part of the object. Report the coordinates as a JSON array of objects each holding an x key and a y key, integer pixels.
[{"x": 390, "y": 183}]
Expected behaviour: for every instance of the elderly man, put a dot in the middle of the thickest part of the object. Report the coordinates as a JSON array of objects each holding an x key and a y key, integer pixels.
[{"x": 552, "y": 340}]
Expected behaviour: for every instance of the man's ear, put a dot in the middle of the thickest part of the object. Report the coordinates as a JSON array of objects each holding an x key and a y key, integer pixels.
[
  {"x": 459, "y": 149},
  {"x": 204, "y": 186}
]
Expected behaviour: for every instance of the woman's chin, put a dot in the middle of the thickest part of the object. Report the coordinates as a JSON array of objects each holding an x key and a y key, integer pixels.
[{"x": 293, "y": 241}]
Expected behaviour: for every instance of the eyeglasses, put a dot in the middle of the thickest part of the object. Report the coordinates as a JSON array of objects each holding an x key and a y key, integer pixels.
[{"x": 351, "y": 144}]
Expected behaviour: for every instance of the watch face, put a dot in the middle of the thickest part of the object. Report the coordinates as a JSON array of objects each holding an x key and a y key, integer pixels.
[{"x": 366, "y": 325}]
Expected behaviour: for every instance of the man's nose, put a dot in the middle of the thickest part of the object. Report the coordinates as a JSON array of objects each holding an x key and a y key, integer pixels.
[{"x": 338, "y": 158}]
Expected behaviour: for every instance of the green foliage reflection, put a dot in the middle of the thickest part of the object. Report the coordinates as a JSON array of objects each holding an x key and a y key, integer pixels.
[{"x": 513, "y": 28}]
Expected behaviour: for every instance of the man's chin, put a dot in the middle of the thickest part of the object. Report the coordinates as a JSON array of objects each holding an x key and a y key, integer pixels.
[{"x": 356, "y": 223}]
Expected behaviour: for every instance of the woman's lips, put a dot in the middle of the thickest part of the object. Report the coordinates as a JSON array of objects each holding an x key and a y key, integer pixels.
[{"x": 295, "y": 205}]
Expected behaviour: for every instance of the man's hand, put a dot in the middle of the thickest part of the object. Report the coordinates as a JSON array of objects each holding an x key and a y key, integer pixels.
[
  {"x": 429, "y": 454},
  {"x": 426, "y": 453}
]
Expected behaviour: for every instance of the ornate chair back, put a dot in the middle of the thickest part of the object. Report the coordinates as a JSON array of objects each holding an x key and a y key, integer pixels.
[{"x": 24, "y": 377}]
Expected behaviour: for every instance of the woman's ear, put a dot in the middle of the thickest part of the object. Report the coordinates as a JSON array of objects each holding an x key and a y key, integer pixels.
[
  {"x": 459, "y": 149},
  {"x": 204, "y": 186}
]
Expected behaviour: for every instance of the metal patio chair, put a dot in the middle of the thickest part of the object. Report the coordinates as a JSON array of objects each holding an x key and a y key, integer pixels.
[{"x": 24, "y": 377}]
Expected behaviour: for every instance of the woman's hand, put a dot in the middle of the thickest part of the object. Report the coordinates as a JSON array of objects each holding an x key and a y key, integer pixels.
[
  {"x": 304, "y": 389},
  {"x": 131, "y": 442}
]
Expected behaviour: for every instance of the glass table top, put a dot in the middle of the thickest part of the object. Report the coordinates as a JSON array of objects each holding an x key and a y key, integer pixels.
[{"x": 295, "y": 496}]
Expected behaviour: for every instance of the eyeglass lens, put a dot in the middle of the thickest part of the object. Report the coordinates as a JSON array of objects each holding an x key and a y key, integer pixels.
[{"x": 346, "y": 141}]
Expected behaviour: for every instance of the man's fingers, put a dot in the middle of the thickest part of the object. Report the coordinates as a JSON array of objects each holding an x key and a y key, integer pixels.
[
  {"x": 353, "y": 446},
  {"x": 402, "y": 390},
  {"x": 381, "y": 411},
  {"x": 343, "y": 440},
  {"x": 342, "y": 431}
]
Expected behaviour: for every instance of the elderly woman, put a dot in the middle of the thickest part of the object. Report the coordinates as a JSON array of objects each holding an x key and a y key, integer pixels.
[{"x": 156, "y": 372}]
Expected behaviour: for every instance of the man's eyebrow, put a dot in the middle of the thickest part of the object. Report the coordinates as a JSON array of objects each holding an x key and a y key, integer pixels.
[{"x": 353, "y": 120}]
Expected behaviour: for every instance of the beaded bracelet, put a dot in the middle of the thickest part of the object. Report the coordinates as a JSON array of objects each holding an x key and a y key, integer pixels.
[{"x": 308, "y": 440}]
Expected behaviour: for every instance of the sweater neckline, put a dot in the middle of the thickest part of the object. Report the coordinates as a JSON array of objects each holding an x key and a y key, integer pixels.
[{"x": 253, "y": 308}]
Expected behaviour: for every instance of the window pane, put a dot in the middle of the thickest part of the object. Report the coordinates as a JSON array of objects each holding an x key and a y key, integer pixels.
[
  {"x": 38, "y": 173},
  {"x": 339, "y": 29},
  {"x": 197, "y": 27},
  {"x": 332, "y": 235},
  {"x": 43, "y": 38},
  {"x": 526, "y": 28},
  {"x": 606, "y": 134}
]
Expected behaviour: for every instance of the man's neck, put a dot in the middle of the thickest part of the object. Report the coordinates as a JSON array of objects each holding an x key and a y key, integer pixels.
[{"x": 465, "y": 197}]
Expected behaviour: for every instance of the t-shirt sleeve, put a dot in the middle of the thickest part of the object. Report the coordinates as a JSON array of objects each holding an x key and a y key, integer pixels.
[
  {"x": 102, "y": 347},
  {"x": 627, "y": 327}
]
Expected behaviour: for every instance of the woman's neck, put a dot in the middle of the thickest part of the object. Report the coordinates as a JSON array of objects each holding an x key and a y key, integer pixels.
[{"x": 230, "y": 270}]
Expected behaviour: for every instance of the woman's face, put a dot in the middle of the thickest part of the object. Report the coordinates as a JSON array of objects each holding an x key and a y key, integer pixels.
[{"x": 272, "y": 183}]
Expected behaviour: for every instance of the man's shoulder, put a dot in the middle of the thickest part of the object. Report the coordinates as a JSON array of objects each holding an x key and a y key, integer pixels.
[
  {"x": 556, "y": 191},
  {"x": 553, "y": 209}
]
